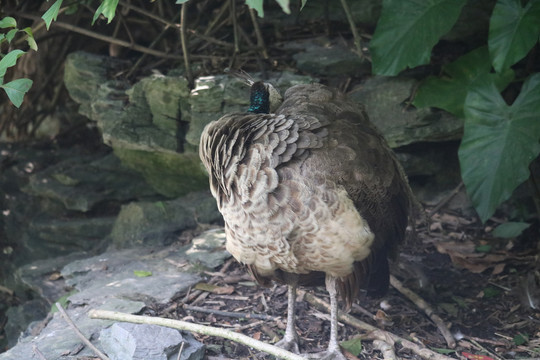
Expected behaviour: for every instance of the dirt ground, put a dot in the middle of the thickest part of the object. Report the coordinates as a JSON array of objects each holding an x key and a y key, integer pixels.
[{"x": 481, "y": 288}]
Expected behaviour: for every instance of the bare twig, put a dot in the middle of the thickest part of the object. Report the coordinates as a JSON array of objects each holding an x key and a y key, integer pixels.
[
  {"x": 385, "y": 348},
  {"x": 258, "y": 34},
  {"x": 235, "y": 26},
  {"x": 79, "y": 333},
  {"x": 356, "y": 36},
  {"x": 38, "y": 352},
  {"x": 180, "y": 351},
  {"x": 183, "y": 39},
  {"x": 446, "y": 200},
  {"x": 6, "y": 290},
  {"x": 426, "y": 308},
  {"x": 237, "y": 315},
  {"x": 373, "y": 332},
  {"x": 197, "y": 328},
  {"x": 210, "y": 39},
  {"x": 106, "y": 38}
]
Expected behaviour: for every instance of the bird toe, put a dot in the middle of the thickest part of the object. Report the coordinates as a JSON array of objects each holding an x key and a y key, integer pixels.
[
  {"x": 290, "y": 344},
  {"x": 327, "y": 355}
]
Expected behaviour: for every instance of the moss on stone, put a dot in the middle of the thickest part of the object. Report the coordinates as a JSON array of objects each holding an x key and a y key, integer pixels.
[{"x": 170, "y": 174}]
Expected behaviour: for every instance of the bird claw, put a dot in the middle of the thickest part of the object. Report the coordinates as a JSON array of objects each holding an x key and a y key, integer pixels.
[
  {"x": 288, "y": 343},
  {"x": 327, "y": 355}
]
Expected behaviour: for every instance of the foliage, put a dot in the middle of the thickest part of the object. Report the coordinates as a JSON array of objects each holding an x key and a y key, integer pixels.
[
  {"x": 14, "y": 89},
  {"x": 499, "y": 140},
  {"x": 510, "y": 229},
  {"x": 407, "y": 30}
]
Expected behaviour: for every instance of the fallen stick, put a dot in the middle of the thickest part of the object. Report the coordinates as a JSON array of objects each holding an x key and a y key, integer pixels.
[
  {"x": 197, "y": 328},
  {"x": 79, "y": 333},
  {"x": 426, "y": 308},
  {"x": 373, "y": 332}
]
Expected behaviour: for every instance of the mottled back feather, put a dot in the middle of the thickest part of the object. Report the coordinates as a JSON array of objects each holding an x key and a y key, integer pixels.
[{"x": 312, "y": 189}]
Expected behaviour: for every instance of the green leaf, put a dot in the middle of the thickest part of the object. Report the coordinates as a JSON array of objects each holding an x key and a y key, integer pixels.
[
  {"x": 443, "y": 350},
  {"x": 181, "y": 1},
  {"x": 257, "y": 5},
  {"x": 499, "y": 142},
  {"x": 449, "y": 91},
  {"x": 521, "y": 339},
  {"x": 30, "y": 38},
  {"x": 513, "y": 31},
  {"x": 304, "y": 2},
  {"x": 9, "y": 60},
  {"x": 108, "y": 9},
  {"x": 354, "y": 346},
  {"x": 16, "y": 89},
  {"x": 491, "y": 292},
  {"x": 483, "y": 248},
  {"x": 63, "y": 301},
  {"x": 407, "y": 31},
  {"x": 141, "y": 273},
  {"x": 51, "y": 14},
  {"x": 284, "y": 6},
  {"x": 510, "y": 229},
  {"x": 11, "y": 34},
  {"x": 8, "y": 22}
]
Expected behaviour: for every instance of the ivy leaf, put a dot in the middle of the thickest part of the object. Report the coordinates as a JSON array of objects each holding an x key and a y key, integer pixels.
[
  {"x": 9, "y": 60},
  {"x": 108, "y": 9},
  {"x": 11, "y": 34},
  {"x": 8, "y": 22},
  {"x": 510, "y": 229},
  {"x": 407, "y": 31},
  {"x": 30, "y": 38},
  {"x": 51, "y": 14},
  {"x": 449, "y": 92},
  {"x": 16, "y": 89},
  {"x": 256, "y": 5},
  {"x": 513, "y": 31},
  {"x": 499, "y": 142}
]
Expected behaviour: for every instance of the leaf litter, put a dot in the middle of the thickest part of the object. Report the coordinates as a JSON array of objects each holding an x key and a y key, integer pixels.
[{"x": 486, "y": 290}]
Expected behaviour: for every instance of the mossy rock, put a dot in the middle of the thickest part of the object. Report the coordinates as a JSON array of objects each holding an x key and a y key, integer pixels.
[{"x": 170, "y": 174}]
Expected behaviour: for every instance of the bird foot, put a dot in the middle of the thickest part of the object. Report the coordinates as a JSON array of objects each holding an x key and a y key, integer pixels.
[
  {"x": 327, "y": 355},
  {"x": 289, "y": 343}
]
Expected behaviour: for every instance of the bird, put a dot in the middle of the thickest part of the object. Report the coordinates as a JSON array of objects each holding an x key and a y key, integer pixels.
[{"x": 310, "y": 193}]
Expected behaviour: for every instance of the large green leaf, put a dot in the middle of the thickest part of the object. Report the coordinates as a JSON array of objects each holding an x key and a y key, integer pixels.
[
  {"x": 513, "y": 31},
  {"x": 449, "y": 91},
  {"x": 499, "y": 142},
  {"x": 51, "y": 14},
  {"x": 16, "y": 89},
  {"x": 407, "y": 31}
]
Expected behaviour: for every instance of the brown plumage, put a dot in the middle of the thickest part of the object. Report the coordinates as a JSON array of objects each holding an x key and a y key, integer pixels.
[{"x": 310, "y": 194}]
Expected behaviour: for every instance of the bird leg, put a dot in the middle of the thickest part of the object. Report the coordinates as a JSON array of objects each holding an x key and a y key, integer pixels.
[
  {"x": 333, "y": 352},
  {"x": 290, "y": 340}
]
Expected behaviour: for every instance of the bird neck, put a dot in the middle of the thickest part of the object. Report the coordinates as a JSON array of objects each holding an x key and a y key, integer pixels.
[{"x": 259, "y": 99}]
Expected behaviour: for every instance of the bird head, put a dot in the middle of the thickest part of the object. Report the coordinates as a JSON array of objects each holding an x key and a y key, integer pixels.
[{"x": 264, "y": 97}]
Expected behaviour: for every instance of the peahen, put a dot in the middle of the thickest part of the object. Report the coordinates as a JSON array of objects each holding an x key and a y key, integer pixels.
[{"x": 311, "y": 194}]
